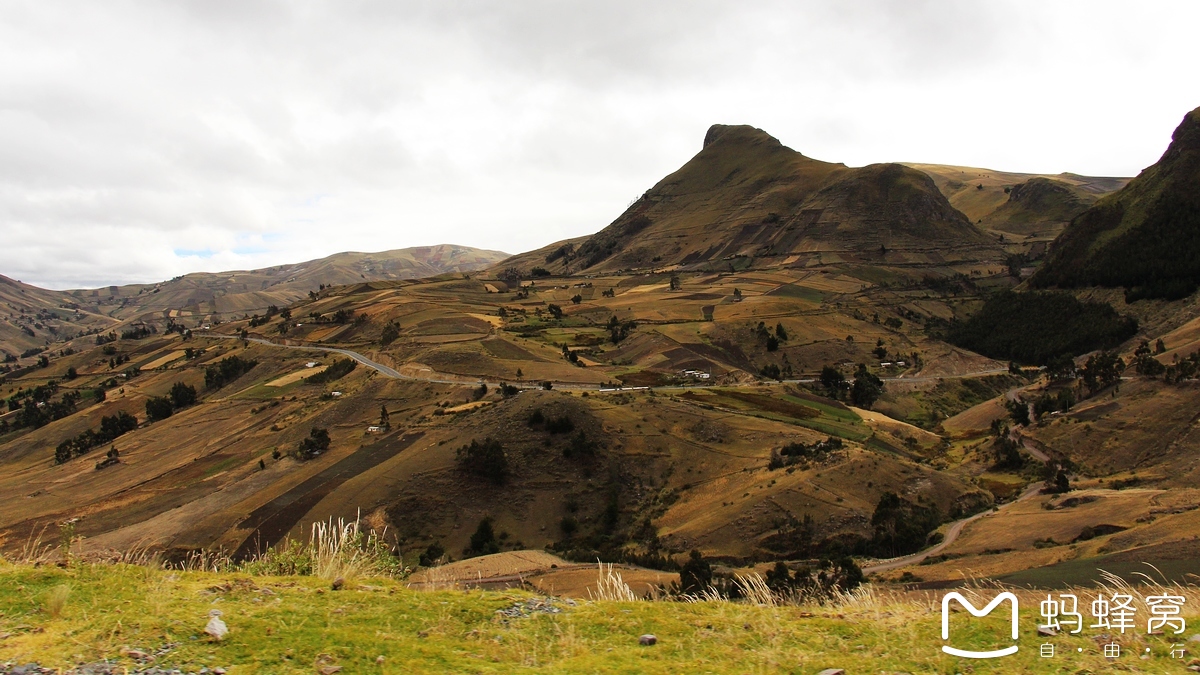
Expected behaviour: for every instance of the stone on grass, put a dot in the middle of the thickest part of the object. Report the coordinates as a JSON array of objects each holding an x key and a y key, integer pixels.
[
  {"x": 833, "y": 671},
  {"x": 216, "y": 628},
  {"x": 647, "y": 640}
]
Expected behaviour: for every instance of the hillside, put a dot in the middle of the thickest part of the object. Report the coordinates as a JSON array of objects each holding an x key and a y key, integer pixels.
[
  {"x": 1144, "y": 238},
  {"x": 33, "y": 318},
  {"x": 1039, "y": 207},
  {"x": 747, "y": 200},
  {"x": 984, "y": 195}
]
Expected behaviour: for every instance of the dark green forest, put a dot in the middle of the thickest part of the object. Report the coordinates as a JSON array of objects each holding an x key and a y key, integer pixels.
[{"x": 1036, "y": 327}]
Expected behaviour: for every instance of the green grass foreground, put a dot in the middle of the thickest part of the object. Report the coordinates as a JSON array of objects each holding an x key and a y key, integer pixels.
[{"x": 287, "y": 624}]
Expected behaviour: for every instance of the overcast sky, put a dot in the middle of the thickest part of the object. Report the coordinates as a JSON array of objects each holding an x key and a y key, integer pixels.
[{"x": 141, "y": 140}]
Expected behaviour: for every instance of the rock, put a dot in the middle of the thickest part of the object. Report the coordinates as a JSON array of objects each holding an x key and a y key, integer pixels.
[
  {"x": 219, "y": 671},
  {"x": 379, "y": 660},
  {"x": 216, "y": 628},
  {"x": 647, "y": 640},
  {"x": 329, "y": 670},
  {"x": 833, "y": 671},
  {"x": 339, "y": 583},
  {"x": 1047, "y": 631},
  {"x": 1194, "y": 638}
]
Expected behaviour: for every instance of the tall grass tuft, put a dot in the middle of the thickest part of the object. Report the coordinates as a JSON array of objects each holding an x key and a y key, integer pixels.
[
  {"x": 56, "y": 600},
  {"x": 334, "y": 550},
  {"x": 610, "y": 586}
]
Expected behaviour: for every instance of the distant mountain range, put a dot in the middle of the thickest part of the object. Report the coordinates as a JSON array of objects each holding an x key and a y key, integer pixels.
[{"x": 31, "y": 317}]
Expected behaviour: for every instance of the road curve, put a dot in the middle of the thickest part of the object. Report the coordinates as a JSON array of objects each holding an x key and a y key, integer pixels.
[{"x": 956, "y": 529}]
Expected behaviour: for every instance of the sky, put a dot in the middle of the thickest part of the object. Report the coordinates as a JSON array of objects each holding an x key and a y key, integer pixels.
[{"x": 143, "y": 140}]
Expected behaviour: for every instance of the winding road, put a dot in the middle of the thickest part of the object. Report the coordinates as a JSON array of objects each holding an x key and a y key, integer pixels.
[{"x": 952, "y": 534}]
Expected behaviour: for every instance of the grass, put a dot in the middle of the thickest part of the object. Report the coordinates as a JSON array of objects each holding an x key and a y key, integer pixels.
[{"x": 288, "y": 624}]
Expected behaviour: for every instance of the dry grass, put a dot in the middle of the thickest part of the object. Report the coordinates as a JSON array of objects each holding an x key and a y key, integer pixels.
[{"x": 610, "y": 586}]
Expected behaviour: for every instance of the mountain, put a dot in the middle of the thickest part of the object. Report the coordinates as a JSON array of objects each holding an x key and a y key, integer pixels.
[
  {"x": 747, "y": 196},
  {"x": 208, "y": 293},
  {"x": 1144, "y": 238}
]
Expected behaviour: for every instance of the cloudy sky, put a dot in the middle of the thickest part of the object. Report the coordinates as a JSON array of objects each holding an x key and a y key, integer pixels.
[{"x": 141, "y": 140}]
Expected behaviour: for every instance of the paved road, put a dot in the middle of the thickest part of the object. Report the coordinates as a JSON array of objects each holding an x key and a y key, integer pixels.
[{"x": 956, "y": 529}]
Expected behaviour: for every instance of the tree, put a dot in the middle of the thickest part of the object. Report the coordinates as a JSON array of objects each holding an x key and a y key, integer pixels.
[
  {"x": 286, "y": 315},
  {"x": 867, "y": 387},
  {"x": 508, "y": 391},
  {"x": 576, "y": 299},
  {"x": 555, "y": 311},
  {"x": 485, "y": 459},
  {"x": 737, "y": 295},
  {"x": 1008, "y": 454},
  {"x": 900, "y": 526},
  {"x": 674, "y": 282},
  {"x": 158, "y": 408},
  {"x": 483, "y": 541},
  {"x": 316, "y": 443},
  {"x": 833, "y": 381},
  {"x": 781, "y": 332},
  {"x": 384, "y": 419},
  {"x": 1018, "y": 410},
  {"x": 182, "y": 395},
  {"x": 1102, "y": 371},
  {"x": 696, "y": 575},
  {"x": 71, "y": 373},
  {"x": 772, "y": 343},
  {"x": 392, "y": 331}
]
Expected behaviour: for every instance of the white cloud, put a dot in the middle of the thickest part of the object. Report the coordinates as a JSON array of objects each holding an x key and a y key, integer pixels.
[{"x": 142, "y": 140}]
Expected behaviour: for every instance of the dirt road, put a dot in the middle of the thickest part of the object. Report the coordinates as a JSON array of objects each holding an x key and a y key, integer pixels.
[{"x": 952, "y": 534}]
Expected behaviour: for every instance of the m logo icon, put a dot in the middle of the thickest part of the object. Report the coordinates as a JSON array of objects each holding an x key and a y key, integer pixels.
[{"x": 977, "y": 612}]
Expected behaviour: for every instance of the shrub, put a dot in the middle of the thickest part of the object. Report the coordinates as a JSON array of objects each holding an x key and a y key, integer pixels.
[{"x": 483, "y": 541}]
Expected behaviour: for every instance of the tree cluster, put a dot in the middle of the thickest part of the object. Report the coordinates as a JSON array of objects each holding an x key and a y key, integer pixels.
[
  {"x": 227, "y": 370},
  {"x": 111, "y": 427}
]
